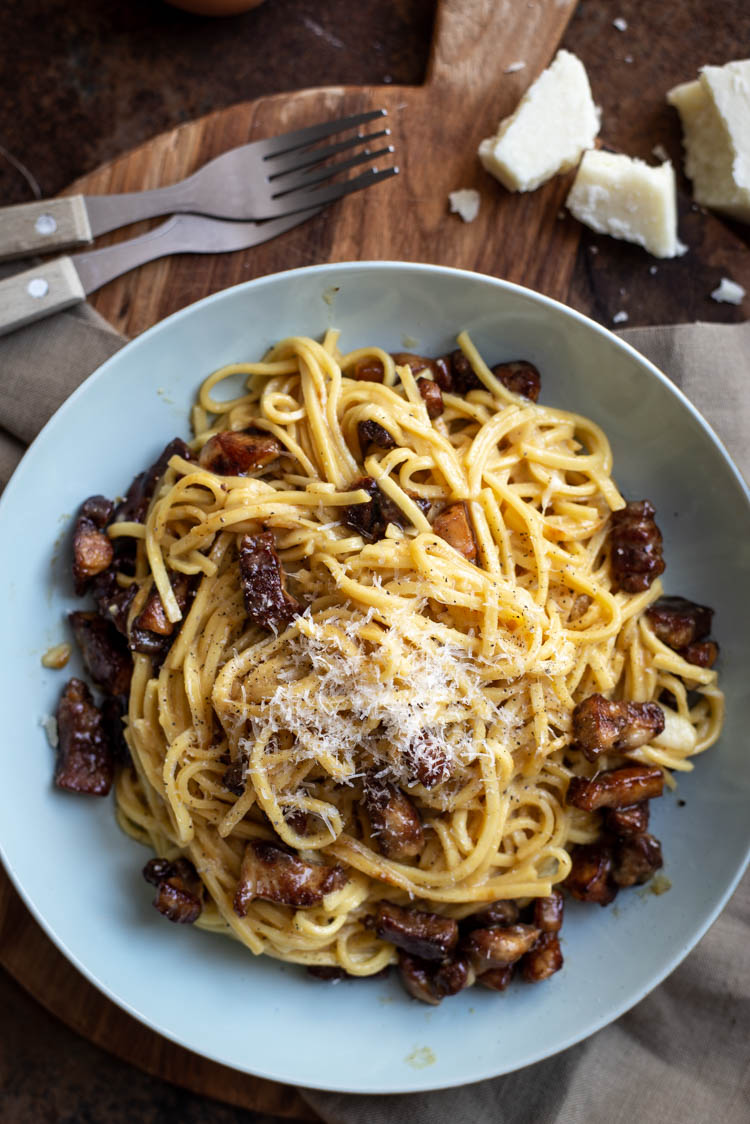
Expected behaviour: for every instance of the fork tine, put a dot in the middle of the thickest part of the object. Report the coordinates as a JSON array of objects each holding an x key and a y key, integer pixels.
[
  {"x": 287, "y": 141},
  {"x": 319, "y": 175},
  {"x": 303, "y": 158},
  {"x": 320, "y": 196}
]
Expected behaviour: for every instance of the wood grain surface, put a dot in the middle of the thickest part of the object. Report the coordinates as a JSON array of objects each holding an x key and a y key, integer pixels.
[
  {"x": 527, "y": 238},
  {"x": 524, "y": 238},
  {"x": 405, "y": 218}
]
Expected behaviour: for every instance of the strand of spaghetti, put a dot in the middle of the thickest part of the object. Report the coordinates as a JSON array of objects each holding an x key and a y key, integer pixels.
[{"x": 480, "y": 368}]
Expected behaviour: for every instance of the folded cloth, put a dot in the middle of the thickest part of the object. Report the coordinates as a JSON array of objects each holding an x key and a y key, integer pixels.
[
  {"x": 41, "y": 366},
  {"x": 683, "y": 1054}
]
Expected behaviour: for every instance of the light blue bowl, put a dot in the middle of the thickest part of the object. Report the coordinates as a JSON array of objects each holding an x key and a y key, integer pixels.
[{"x": 81, "y": 877}]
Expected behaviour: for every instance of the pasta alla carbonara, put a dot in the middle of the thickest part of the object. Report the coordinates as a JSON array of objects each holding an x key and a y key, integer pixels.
[{"x": 381, "y": 623}]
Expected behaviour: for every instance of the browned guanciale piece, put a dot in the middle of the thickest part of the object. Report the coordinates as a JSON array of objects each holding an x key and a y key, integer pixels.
[
  {"x": 636, "y": 859},
  {"x": 85, "y": 762},
  {"x": 591, "y": 878},
  {"x": 703, "y": 653},
  {"x": 237, "y": 452},
  {"x": 135, "y": 505},
  {"x": 452, "y": 976},
  {"x": 427, "y": 936},
  {"x": 233, "y": 778},
  {"x": 267, "y": 602},
  {"x": 497, "y": 979},
  {"x": 113, "y": 710},
  {"x": 636, "y": 546},
  {"x": 104, "y": 651},
  {"x": 520, "y": 377},
  {"x": 373, "y": 433},
  {"x": 608, "y": 726},
  {"x": 427, "y": 761},
  {"x": 274, "y": 875},
  {"x": 632, "y": 819},
  {"x": 365, "y": 518},
  {"x": 179, "y": 891},
  {"x": 543, "y": 960},
  {"x": 371, "y": 518},
  {"x": 439, "y": 368},
  {"x": 463, "y": 375},
  {"x": 152, "y": 631},
  {"x": 395, "y": 823},
  {"x": 452, "y": 524},
  {"x": 616, "y": 788},
  {"x": 417, "y": 976},
  {"x": 502, "y": 913},
  {"x": 113, "y": 600},
  {"x": 430, "y": 981},
  {"x": 497, "y": 948},
  {"x": 433, "y": 397},
  {"x": 297, "y": 819},
  {"x": 153, "y": 616},
  {"x": 548, "y": 912},
  {"x": 684, "y": 626},
  {"x": 678, "y": 622},
  {"x": 92, "y": 547},
  {"x": 368, "y": 370}
]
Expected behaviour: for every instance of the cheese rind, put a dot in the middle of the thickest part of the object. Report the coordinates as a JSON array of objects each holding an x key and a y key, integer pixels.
[
  {"x": 555, "y": 121},
  {"x": 715, "y": 116},
  {"x": 628, "y": 199}
]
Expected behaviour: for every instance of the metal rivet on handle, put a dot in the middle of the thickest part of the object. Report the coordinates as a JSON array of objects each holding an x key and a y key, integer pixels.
[
  {"x": 37, "y": 287},
  {"x": 45, "y": 224}
]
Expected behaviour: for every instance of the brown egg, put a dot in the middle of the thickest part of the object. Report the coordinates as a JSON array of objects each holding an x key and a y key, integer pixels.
[{"x": 215, "y": 7}]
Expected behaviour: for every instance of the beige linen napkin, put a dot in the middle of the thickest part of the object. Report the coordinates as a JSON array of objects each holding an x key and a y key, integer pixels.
[{"x": 682, "y": 1056}]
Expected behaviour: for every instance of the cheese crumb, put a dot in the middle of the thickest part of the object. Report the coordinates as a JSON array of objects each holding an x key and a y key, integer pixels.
[
  {"x": 620, "y": 317},
  {"x": 626, "y": 198},
  {"x": 715, "y": 116},
  {"x": 728, "y": 292},
  {"x": 620, "y": 23},
  {"x": 514, "y": 67},
  {"x": 465, "y": 202},
  {"x": 555, "y": 121},
  {"x": 48, "y": 722},
  {"x": 57, "y": 656}
]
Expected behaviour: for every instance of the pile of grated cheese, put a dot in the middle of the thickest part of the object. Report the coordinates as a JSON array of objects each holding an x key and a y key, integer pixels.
[{"x": 344, "y": 694}]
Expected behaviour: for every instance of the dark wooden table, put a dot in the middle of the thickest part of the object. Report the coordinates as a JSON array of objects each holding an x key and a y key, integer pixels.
[{"x": 84, "y": 82}]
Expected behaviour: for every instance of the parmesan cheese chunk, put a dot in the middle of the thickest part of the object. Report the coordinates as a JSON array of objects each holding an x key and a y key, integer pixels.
[
  {"x": 715, "y": 115},
  {"x": 554, "y": 122},
  {"x": 627, "y": 198}
]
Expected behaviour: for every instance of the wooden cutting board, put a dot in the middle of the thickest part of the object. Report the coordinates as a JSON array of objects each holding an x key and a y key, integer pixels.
[{"x": 436, "y": 129}]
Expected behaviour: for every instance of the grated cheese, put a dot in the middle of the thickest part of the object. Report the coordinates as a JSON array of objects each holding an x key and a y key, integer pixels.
[{"x": 336, "y": 694}]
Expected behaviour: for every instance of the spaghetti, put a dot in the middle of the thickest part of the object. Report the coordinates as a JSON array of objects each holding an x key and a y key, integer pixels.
[{"x": 408, "y": 668}]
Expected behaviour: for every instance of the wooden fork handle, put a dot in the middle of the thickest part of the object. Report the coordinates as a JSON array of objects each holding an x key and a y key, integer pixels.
[
  {"x": 38, "y": 292},
  {"x": 43, "y": 226}
]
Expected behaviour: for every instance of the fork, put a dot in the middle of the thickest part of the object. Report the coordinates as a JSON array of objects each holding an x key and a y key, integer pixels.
[
  {"x": 57, "y": 284},
  {"x": 265, "y": 179}
]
